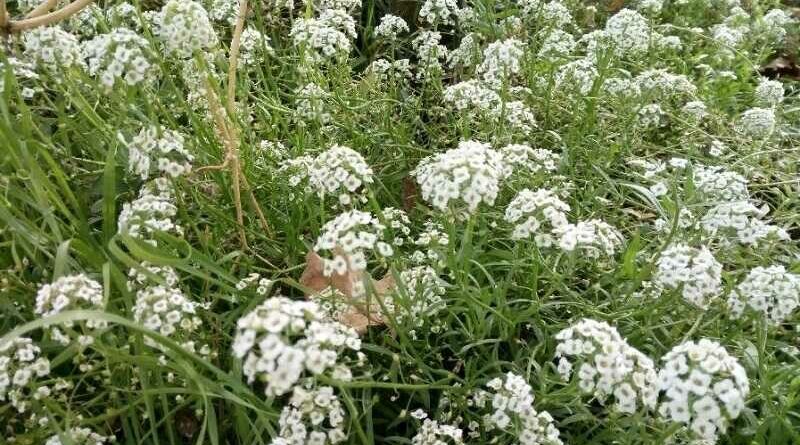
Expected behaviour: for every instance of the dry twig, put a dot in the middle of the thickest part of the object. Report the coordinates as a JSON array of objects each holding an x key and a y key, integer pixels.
[{"x": 39, "y": 18}]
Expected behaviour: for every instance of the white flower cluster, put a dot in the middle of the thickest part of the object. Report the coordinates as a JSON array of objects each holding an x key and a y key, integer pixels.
[
  {"x": 223, "y": 11},
  {"x": 524, "y": 158},
  {"x": 578, "y": 75},
  {"x": 501, "y": 61},
  {"x": 281, "y": 339},
  {"x": 438, "y": 11},
  {"x": 704, "y": 388},
  {"x": 594, "y": 238},
  {"x": 758, "y": 123},
  {"x": 52, "y": 48},
  {"x": 310, "y": 104},
  {"x": 151, "y": 212},
  {"x": 262, "y": 284},
  {"x": 322, "y": 38},
  {"x": 158, "y": 149},
  {"x": 429, "y": 52},
  {"x": 468, "y": 52},
  {"x": 740, "y": 221},
  {"x": 390, "y": 27},
  {"x": 607, "y": 365},
  {"x": 138, "y": 279},
  {"x": 121, "y": 55},
  {"x": 77, "y": 436},
  {"x": 386, "y": 71},
  {"x": 771, "y": 292},
  {"x": 20, "y": 364},
  {"x": 694, "y": 271},
  {"x": 769, "y": 93},
  {"x": 350, "y": 237},
  {"x": 470, "y": 173},
  {"x": 70, "y": 292},
  {"x": 660, "y": 84},
  {"x": 431, "y": 432},
  {"x": 338, "y": 171},
  {"x": 184, "y": 27},
  {"x": 511, "y": 399},
  {"x": 629, "y": 33},
  {"x": 418, "y": 298},
  {"x": 314, "y": 416},
  {"x": 472, "y": 95},
  {"x": 540, "y": 213},
  {"x": 436, "y": 240},
  {"x": 718, "y": 183},
  {"x": 23, "y": 72},
  {"x": 556, "y": 45},
  {"x": 254, "y": 44},
  {"x": 169, "y": 312}
]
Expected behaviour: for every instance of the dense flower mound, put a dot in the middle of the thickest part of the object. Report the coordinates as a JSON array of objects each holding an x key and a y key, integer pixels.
[
  {"x": 510, "y": 400},
  {"x": 282, "y": 340},
  {"x": 770, "y": 292},
  {"x": 703, "y": 388},
  {"x": 469, "y": 174},
  {"x": 336, "y": 221},
  {"x": 694, "y": 271},
  {"x": 607, "y": 366}
]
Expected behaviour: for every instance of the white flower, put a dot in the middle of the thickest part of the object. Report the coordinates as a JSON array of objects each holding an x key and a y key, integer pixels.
[
  {"x": 556, "y": 45},
  {"x": 540, "y": 213},
  {"x": 740, "y": 221},
  {"x": 769, "y": 92},
  {"x": 78, "y": 436},
  {"x": 72, "y": 292},
  {"x": 281, "y": 340},
  {"x": 20, "y": 364},
  {"x": 254, "y": 44},
  {"x": 151, "y": 212},
  {"x": 337, "y": 171},
  {"x": 511, "y": 399},
  {"x": 314, "y": 416},
  {"x": 607, "y": 365},
  {"x": 771, "y": 292},
  {"x": 501, "y": 61},
  {"x": 121, "y": 55},
  {"x": 757, "y": 122},
  {"x": 184, "y": 27},
  {"x": 470, "y": 173},
  {"x": 52, "y": 48},
  {"x": 629, "y": 33},
  {"x": 438, "y": 11},
  {"x": 390, "y": 26},
  {"x": 703, "y": 388},
  {"x": 694, "y": 271},
  {"x": 158, "y": 149},
  {"x": 429, "y": 52},
  {"x": 594, "y": 238},
  {"x": 324, "y": 39},
  {"x": 169, "y": 312}
]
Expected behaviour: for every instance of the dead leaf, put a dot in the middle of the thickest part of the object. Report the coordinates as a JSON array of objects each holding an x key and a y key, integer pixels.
[
  {"x": 360, "y": 315},
  {"x": 615, "y": 5},
  {"x": 410, "y": 194}
]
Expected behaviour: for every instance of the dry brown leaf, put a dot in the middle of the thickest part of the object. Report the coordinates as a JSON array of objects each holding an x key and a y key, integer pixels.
[
  {"x": 410, "y": 194},
  {"x": 359, "y": 316}
]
